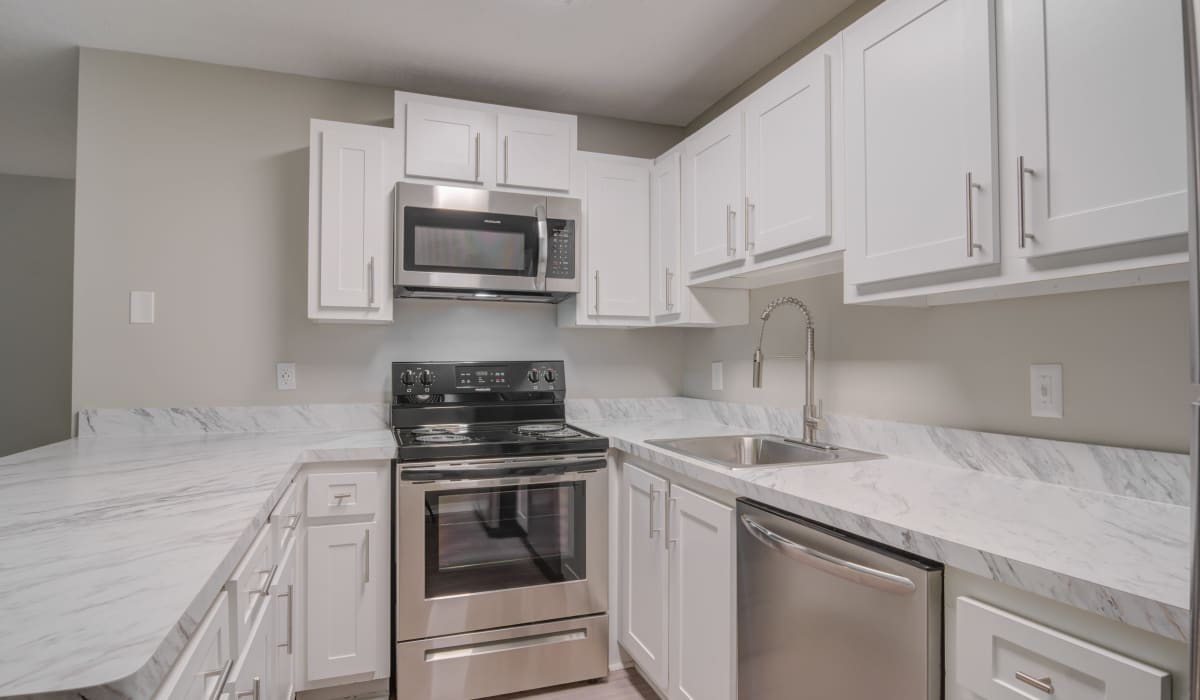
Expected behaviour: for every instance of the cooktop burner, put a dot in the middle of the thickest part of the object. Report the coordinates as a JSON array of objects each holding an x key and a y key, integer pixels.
[
  {"x": 441, "y": 437},
  {"x": 560, "y": 433},
  {"x": 540, "y": 428}
]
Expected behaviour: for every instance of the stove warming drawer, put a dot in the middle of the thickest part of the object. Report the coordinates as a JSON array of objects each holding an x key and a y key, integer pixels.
[{"x": 508, "y": 660}]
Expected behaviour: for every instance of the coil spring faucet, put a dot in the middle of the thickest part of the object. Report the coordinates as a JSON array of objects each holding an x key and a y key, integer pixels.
[{"x": 812, "y": 410}]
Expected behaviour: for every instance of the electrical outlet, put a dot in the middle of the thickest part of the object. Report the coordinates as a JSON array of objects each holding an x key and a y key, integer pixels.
[
  {"x": 1045, "y": 391},
  {"x": 285, "y": 376},
  {"x": 718, "y": 376},
  {"x": 141, "y": 307}
]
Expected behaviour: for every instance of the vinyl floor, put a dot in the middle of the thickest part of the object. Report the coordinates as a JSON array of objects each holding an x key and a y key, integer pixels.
[{"x": 620, "y": 685}]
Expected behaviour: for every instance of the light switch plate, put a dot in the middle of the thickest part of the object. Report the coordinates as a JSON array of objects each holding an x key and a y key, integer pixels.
[
  {"x": 1046, "y": 391},
  {"x": 718, "y": 376},
  {"x": 141, "y": 307}
]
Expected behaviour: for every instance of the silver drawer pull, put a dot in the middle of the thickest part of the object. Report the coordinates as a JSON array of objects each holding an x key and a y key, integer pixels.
[
  {"x": 340, "y": 496},
  {"x": 290, "y": 607},
  {"x": 222, "y": 675},
  {"x": 254, "y": 689},
  {"x": 834, "y": 566},
  {"x": 293, "y": 521},
  {"x": 268, "y": 574},
  {"x": 1043, "y": 684}
]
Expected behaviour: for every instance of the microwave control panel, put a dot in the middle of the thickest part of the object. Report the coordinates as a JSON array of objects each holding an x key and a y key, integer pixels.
[{"x": 560, "y": 263}]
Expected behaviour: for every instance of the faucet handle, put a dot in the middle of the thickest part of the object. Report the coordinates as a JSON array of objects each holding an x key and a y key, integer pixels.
[{"x": 818, "y": 411}]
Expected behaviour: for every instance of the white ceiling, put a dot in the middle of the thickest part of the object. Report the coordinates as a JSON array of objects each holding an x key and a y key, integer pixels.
[{"x": 660, "y": 61}]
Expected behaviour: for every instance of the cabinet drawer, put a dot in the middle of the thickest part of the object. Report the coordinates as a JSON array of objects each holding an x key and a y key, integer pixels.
[
  {"x": 331, "y": 495},
  {"x": 248, "y": 587},
  {"x": 1002, "y": 656},
  {"x": 205, "y": 663},
  {"x": 285, "y": 519}
]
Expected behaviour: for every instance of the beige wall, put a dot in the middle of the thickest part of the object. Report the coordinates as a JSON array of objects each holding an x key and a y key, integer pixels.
[
  {"x": 193, "y": 183},
  {"x": 783, "y": 62},
  {"x": 1124, "y": 354},
  {"x": 36, "y": 216}
]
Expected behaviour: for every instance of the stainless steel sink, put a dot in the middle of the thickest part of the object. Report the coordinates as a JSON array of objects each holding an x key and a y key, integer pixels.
[{"x": 742, "y": 451}]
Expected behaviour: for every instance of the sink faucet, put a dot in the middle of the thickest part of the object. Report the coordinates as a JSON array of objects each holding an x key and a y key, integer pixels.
[{"x": 812, "y": 410}]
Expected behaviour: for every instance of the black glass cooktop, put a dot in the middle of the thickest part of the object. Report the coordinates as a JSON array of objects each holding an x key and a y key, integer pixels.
[{"x": 494, "y": 440}]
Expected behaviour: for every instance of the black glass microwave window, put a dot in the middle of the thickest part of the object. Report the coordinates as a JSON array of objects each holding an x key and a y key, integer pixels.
[
  {"x": 490, "y": 539},
  {"x": 465, "y": 242}
]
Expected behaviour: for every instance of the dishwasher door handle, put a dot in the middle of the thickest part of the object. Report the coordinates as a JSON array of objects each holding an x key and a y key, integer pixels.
[{"x": 834, "y": 566}]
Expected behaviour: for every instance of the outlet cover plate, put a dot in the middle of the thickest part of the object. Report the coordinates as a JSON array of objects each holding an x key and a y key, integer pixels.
[
  {"x": 1046, "y": 391},
  {"x": 718, "y": 376},
  {"x": 285, "y": 376}
]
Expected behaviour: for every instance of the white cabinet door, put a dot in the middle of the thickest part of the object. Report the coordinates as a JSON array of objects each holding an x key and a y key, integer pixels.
[
  {"x": 702, "y": 629},
  {"x": 444, "y": 142},
  {"x": 1100, "y": 122},
  {"x": 340, "y": 600},
  {"x": 665, "y": 286},
  {"x": 789, "y": 156},
  {"x": 251, "y": 677},
  {"x": 617, "y": 213},
  {"x": 349, "y": 210},
  {"x": 535, "y": 151},
  {"x": 920, "y": 139},
  {"x": 712, "y": 193},
  {"x": 644, "y": 572},
  {"x": 283, "y": 628}
]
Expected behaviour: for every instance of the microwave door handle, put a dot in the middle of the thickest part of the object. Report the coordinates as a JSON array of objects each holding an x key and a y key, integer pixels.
[{"x": 543, "y": 245}]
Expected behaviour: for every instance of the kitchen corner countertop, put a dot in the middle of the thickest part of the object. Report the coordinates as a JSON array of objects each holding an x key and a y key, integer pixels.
[
  {"x": 113, "y": 548},
  {"x": 1125, "y": 558}
]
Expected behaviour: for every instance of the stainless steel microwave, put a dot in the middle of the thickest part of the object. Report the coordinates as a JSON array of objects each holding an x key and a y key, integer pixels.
[{"x": 463, "y": 243}]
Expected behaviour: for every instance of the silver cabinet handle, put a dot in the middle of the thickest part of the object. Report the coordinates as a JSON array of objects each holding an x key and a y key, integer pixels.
[
  {"x": 667, "y": 276},
  {"x": 340, "y": 496},
  {"x": 367, "y": 557},
  {"x": 672, "y": 515},
  {"x": 596, "y": 300},
  {"x": 653, "y": 497},
  {"x": 730, "y": 250},
  {"x": 506, "y": 160},
  {"x": 847, "y": 570},
  {"x": 1046, "y": 685},
  {"x": 477, "y": 157},
  {"x": 290, "y": 608},
  {"x": 371, "y": 281},
  {"x": 293, "y": 521},
  {"x": 254, "y": 689},
  {"x": 1022, "y": 171},
  {"x": 749, "y": 240},
  {"x": 266, "y": 584},
  {"x": 222, "y": 675},
  {"x": 972, "y": 246}
]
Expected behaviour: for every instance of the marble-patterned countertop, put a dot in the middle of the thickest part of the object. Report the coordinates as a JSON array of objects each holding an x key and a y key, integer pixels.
[
  {"x": 1124, "y": 558},
  {"x": 113, "y": 547}
]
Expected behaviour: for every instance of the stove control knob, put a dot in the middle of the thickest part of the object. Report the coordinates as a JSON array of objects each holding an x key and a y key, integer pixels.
[
  {"x": 534, "y": 376},
  {"x": 407, "y": 378},
  {"x": 426, "y": 377},
  {"x": 551, "y": 375}
]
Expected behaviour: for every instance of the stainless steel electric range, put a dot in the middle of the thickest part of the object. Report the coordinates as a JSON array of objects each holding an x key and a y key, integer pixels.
[{"x": 501, "y": 546}]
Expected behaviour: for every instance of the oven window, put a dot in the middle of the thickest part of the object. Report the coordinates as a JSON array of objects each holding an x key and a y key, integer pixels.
[
  {"x": 489, "y": 539},
  {"x": 499, "y": 251}
]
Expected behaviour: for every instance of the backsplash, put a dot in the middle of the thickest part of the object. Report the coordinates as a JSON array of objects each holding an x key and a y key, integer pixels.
[
  {"x": 1157, "y": 476},
  {"x": 232, "y": 419}
]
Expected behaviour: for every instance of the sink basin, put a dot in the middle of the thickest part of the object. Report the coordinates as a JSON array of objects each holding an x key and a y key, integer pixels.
[{"x": 742, "y": 451}]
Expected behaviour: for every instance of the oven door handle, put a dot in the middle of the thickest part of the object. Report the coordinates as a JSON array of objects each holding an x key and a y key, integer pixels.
[
  {"x": 500, "y": 470},
  {"x": 543, "y": 245}
]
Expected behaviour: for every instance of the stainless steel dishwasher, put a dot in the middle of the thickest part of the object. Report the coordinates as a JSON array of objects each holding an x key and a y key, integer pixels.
[{"x": 823, "y": 615}]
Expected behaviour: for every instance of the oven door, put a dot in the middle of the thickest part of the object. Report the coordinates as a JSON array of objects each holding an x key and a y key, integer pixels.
[{"x": 481, "y": 553}]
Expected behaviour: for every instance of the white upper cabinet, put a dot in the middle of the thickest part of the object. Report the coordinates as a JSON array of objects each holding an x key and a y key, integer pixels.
[
  {"x": 665, "y": 288},
  {"x": 535, "y": 151},
  {"x": 445, "y": 142},
  {"x": 617, "y": 219},
  {"x": 920, "y": 140},
  {"x": 712, "y": 193},
  {"x": 790, "y": 156},
  {"x": 1098, "y": 107},
  {"x": 349, "y": 234}
]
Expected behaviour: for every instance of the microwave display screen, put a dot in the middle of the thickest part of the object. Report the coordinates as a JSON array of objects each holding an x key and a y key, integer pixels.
[{"x": 457, "y": 248}]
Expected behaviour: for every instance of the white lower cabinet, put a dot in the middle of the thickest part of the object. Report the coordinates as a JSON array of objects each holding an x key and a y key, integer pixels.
[
  {"x": 283, "y": 629},
  {"x": 677, "y": 597},
  {"x": 251, "y": 677},
  {"x": 206, "y": 661},
  {"x": 1002, "y": 656},
  {"x": 341, "y": 601}
]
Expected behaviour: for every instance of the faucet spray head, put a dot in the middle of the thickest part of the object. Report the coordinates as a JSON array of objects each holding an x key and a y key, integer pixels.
[{"x": 757, "y": 372}]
